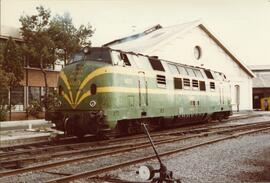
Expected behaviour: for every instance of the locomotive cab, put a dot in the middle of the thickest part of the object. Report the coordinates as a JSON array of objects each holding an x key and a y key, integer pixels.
[{"x": 79, "y": 109}]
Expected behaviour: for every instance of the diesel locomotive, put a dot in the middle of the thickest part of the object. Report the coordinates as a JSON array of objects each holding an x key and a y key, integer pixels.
[{"x": 105, "y": 90}]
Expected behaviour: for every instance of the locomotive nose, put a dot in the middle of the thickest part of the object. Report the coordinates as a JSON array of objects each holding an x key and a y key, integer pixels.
[{"x": 76, "y": 84}]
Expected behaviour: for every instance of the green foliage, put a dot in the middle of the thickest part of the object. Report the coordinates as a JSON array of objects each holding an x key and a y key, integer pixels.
[
  {"x": 11, "y": 72},
  {"x": 3, "y": 78},
  {"x": 3, "y": 113},
  {"x": 52, "y": 101},
  {"x": 39, "y": 47},
  {"x": 48, "y": 39},
  {"x": 34, "y": 108},
  {"x": 12, "y": 63},
  {"x": 67, "y": 37}
]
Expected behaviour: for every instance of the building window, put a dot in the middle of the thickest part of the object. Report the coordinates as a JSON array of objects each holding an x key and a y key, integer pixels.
[
  {"x": 197, "y": 52},
  {"x": 34, "y": 94},
  {"x": 3, "y": 97},
  {"x": 50, "y": 91},
  {"x": 237, "y": 96},
  {"x": 17, "y": 98}
]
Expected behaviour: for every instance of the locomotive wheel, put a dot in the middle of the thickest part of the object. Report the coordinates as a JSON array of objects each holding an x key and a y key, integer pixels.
[
  {"x": 209, "y": 119},
  {"x": 72, "y": 129},
  {"x": 131, "y": 129},
  {"x": 220, "y": 118},
  {"x": 79, "y": 133}
]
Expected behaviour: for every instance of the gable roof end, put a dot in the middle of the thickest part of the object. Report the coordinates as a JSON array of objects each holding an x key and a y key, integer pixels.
[{"x": 143, "y": 43}]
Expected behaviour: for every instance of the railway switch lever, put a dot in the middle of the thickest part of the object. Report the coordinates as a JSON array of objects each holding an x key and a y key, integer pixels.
[{"x": 147, "y": 172}]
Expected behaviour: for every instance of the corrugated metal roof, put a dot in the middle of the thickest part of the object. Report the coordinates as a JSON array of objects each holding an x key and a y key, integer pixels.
[
  {"x": 262, "y": 80},
  {"x": 147, "y": 42}
]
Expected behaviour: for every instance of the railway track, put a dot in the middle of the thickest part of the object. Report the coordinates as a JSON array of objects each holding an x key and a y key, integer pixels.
[
  {"x": 61, "y": 139},
  {"x": 216, "y": 133},
  {"x": 18, "y": 159},
  {"x": 97, "y": 172},
  {"x": 70, "y": 143}
]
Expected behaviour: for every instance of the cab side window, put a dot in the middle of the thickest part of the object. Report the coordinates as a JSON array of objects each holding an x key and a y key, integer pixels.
[{"x": 124, "y": 57}]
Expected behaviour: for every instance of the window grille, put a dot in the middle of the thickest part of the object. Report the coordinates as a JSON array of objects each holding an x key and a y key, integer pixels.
[{"x": 186, "y": 82}]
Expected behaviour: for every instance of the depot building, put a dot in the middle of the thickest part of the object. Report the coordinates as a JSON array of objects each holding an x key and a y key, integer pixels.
[
  {"x": 32, "y": 87},
  {"x": 193, "y": 43}
]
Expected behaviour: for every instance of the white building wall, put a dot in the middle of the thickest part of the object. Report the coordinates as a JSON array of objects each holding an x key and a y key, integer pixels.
[{"x": 181, "y": 49}]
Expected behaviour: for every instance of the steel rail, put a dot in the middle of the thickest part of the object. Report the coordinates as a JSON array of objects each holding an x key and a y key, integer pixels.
[
  {"x": 16, "y": 162},
  {"x": 76, "y": 145},
  {"x": 113, "y": 140},
  {"x": 93, "y": 173},
  {"x": 138, "y": 146}
]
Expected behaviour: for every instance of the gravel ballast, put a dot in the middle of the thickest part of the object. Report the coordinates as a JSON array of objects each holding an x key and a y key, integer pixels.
[{"x": 243, "y": 159}]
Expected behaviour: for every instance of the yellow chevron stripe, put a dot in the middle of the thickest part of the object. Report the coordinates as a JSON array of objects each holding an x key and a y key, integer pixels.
[
  {"x": 98, "y": 72},
  {"x": 86, "y": 94},
  {"x": 149, "y": 91},
  {"x": 119, "y": 70},
  {"x": 152, "y": 91},
  {"x": 68, "y": 100},
  {"x": 64, "y": 78},
  {"x": 110, "y": 69},
  {"x": 89, "y": 77}
]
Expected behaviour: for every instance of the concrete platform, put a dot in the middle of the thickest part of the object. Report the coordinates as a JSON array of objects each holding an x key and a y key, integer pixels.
[
  {"x": 14, "y": 133},
  {"x": 24, "y": 124},
  {"x": 16, "y": 139}
]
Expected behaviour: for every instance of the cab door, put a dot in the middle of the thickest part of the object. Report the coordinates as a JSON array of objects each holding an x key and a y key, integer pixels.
[
  {"x": 221, "y": 95},
  {"x": 143, "y": 90}
]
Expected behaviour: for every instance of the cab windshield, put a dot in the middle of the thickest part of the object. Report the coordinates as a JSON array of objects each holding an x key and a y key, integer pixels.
[{"x": 94, "y": 54}]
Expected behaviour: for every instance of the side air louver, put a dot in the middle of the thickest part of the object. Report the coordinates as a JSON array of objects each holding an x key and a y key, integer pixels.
[
  {"x": 161, "y": 80},
  {"x": 195, "y": 83},
  {"x": 212, "y": 85},
  {"x": 186, "y": 82}
]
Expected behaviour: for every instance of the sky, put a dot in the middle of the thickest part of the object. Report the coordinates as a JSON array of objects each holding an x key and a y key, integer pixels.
[{"x": 242, "y": 25}]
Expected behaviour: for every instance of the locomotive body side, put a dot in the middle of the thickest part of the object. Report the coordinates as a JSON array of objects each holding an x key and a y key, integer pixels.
[{"x": 120, "y": 93}]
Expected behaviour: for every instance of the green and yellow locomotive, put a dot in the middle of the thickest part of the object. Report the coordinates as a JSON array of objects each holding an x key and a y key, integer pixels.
[{"x": 103, "y": 90}]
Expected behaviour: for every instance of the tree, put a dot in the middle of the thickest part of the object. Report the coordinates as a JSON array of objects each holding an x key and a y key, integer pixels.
[
  {"x": 3, "y": 74},
  {"x": 3, "y": 89},
  {"x": 46, "y": 39},
  {"x": 11, "y": 67},
  {"x": 39, "y": 46},
  {"x": 67, "y": 37}
]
